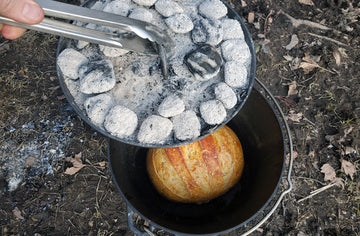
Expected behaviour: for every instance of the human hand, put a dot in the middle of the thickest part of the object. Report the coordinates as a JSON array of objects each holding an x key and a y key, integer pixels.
[{"x": 23, "y": 11}]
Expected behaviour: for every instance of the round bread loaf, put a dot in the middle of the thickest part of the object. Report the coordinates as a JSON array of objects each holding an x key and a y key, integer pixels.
[{"x": 199, "y": 171}]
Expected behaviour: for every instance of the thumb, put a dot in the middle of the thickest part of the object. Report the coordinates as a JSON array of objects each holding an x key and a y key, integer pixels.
[{"x": 24, "y": 11}]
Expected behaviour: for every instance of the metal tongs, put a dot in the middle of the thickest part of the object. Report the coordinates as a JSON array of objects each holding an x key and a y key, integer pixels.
[{"x": 133, "y": 35}]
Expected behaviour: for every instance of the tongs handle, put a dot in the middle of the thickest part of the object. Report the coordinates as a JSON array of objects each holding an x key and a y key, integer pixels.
[
  {"x": 70, "y": 12},
  {"x": 138, "y": 36},
  {"x": 129, "y": 42}
]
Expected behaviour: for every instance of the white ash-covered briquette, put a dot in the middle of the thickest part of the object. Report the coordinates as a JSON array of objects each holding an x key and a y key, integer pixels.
[
  {"x": 186, "y": 125},
  {"x": 209, "y": 31},
  {"x": 69, "y": 62},
  {"x": 235, "y": 74},
  {"x": 213, "y": 112},
  {"x": 97, "y": 77},
  {"x": 96, "y": 108},
  {"x": 118, "y": 7},
  {"x": 81, "y": 44},
  {"x": 142, "y": 14},
  {"x": 226, "y": 95},
  {"x": 214, "y": 9},
  {"x": 121, "y": 121},
  {"x": 171, "y": 106},
  {"x": 155, "y": 130},
  {"x": 231, "y": 29},
  {"x": 99, "y": 5},
  {"x": 146, "y": 3},
  {"x": 168, "y": 7},
  {"x": 112, "y": 51},
  {"x": 236, "y": 50},
  {"x": 180, "y": 23}
]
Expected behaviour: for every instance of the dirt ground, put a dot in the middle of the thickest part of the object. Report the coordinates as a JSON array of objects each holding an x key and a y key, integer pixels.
[{"x": 308, "y": 55}]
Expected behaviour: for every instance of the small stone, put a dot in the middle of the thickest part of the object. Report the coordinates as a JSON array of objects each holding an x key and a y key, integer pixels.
[
  {"x": 204, "y": 61},
  {"x": 97, "y": 77},
  {"x": 232, "y": 29},
  {"x": 186, "y": 125},
  {"x": 235, "y": 74},
  {"x": 118, "y": 7},
  {"x": 226, "y": 95},
  {"x": 236, "y": 50},
  {"x": 171, "y": 106},
  {"x": 214, "y": 9},
  {"x": 155, "y": 130},
  {"x": 69, "y": 62},
  {"x": 168, "y": 7},
  {"x": 97, "y": 107},
  {"x": 207, "y": 31},
  {"x": 213, "y": 112},
  {"x": 146, "y": 3},
  {"x": 180, "y": 23},
  {"x": 112, "y": 52},
  {"x": 121, "y": 121},
  {"x": 141, "y": 14}
]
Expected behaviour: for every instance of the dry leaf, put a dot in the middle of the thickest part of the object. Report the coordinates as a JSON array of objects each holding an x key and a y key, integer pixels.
[
  {"x": 251, "y": 17},
  {"x": 348, "y": 168},
  {"x": 348, "y": 130},
  {"x": 77, "y": 164},
  {"x": 102, "y": 164},
  {"x": 337, "y": 56},
  {"x": 292, "y": 89},
  {"x": 293, "y": 42},
  {"x": 312, "y": 154},
  {"x": 307, "y": 2},
  {"x": 308, "y": 67},
  {"x": 329, "y": 172},
  {"x": 29, "y": 161},
  {"x": 308, "y": 64},
  {"x": 294, "y": 65},
  {"x": 17, "y": 213},
  {"x": 339, "y": 182},
  {"x": 294, "y": 117},
  {"x": 288, "y": 57},
  {"x": 301, "y": 234},
  {"x": 349, "y": 150}
]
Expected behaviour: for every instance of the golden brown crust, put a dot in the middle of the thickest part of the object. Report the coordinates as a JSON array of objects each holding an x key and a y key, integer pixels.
[{"x": 200, "y": 171}]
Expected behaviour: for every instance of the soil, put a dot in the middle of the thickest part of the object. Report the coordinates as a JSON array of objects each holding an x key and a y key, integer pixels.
[{"x": 54, "y": 172}]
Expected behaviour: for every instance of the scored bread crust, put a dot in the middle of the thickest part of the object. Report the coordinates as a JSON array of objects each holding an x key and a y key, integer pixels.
[{"x": 199, "y": 171}]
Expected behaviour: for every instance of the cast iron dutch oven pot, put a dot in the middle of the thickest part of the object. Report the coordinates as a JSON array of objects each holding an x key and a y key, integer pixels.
[{"x": 261, "y": 136}]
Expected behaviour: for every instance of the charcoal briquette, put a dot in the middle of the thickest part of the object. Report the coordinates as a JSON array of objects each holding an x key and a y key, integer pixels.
[{"x": 204, "y": 61}]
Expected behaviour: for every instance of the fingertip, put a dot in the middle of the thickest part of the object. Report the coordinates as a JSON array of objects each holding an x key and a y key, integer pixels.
[
  {"x": 32, "y": 13},
  {"x": 12, "y": 32}
]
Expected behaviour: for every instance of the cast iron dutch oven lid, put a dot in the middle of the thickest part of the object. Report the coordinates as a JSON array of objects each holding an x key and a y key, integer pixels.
[{"x": 77, "y": 102}]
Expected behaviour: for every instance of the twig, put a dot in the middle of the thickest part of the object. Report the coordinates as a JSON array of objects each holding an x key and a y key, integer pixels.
[
  {"x": 298, "y": 22},
  {"x": 149, "y": 232},
  {"x": 329, "y": 39},
  {"x": 96, "y": 197},
  {"x": 317, "y": 191},
  {"x": 266, "y": 22}
]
